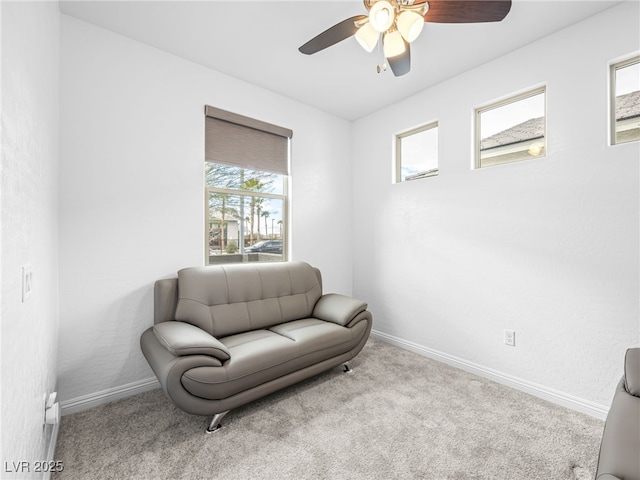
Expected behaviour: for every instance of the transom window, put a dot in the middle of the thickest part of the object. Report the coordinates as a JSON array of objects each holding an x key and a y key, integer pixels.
[
  {"x": 511, "y": 130},
  {"x": 417, "y": 153},
  {"x": 625, "y": 101}
]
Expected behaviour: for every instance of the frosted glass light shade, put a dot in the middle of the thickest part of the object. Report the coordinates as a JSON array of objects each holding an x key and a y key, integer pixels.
[
  {"x": 393, "y": 44},
  {"x": 410, "y": 25},
  {"x": 367, "y": 37},
  {"x": 381, "y": 15}
]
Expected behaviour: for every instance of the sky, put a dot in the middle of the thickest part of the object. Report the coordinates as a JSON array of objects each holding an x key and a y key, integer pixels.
[
  {"x": 501, "y": 118},
  {"x": 420, "y": 152},
  {"x": 628, "y": 79}
]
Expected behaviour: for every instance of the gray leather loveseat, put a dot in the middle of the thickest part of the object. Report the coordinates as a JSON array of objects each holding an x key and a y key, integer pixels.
[
  {"x": 226, "y": 335},
  {"x": 620, "y": 448}
]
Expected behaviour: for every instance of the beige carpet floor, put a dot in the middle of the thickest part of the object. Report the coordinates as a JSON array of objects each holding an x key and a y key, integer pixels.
[{"x": 397, "y": 416}]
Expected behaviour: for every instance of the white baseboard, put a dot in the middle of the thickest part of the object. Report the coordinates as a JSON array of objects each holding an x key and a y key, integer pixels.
[
  {"x": 555, "y": 396},
  {"x": 92, "y": 400},
  {"x": 51, "y": 450}
]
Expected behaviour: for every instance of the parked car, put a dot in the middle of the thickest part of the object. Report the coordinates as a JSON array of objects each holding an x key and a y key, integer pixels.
[{"x": 265, "y": 246}]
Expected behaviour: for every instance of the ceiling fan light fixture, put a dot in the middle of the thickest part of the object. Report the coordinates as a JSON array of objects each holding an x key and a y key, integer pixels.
[
  {"x": 391, "y": 25},
  {"x": 393, "y": 44},
  {"x": 410, "y": 25},
  {"x": 367, "y": 37},
  {"x": 381, "y": 15}
]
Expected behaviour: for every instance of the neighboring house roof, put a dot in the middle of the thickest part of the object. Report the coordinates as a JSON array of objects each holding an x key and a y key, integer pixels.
[
  {"x": 628, "y": 105},
  {"x": 528, "y": 130}
]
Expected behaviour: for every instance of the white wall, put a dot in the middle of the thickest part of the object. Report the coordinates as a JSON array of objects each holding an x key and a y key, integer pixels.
[
  {"x": 132, "y": 199},
  {"x": 547, "y": 247},
  {"x": 30, "y": 73}
]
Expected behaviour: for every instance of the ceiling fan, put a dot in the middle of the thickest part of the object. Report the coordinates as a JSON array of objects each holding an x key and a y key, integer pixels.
[{"x": 400, "y": 22}]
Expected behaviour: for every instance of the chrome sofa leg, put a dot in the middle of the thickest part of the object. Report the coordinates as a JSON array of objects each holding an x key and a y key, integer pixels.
[
  {"x": 215, "y": 424},
  {"x": 346, "y": 368}
]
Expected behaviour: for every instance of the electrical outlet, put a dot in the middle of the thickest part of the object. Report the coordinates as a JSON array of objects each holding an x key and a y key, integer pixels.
[
  {"x": 27, "y": 281},
  {"x": 510, "y": 338}
]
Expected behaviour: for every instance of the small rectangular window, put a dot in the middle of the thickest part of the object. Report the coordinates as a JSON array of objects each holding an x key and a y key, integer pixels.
[
  {"x": 625, "y": 101},
  {"x": 511, "y": 130},
  {"x": 417, "y": 153}
]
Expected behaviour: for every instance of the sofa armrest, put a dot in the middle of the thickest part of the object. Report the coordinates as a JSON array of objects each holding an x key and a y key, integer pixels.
[
  {"x": 337, "y": 308},
  {"x": 165, "y": 300},
  {"x": 632, "y": 371},
  {"x": 182, "y": 339},
  {"x": 608, "y": 476}
]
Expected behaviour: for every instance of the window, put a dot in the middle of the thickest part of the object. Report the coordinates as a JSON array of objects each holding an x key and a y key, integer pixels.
[
  {"x": 246, "y": 176},
  {"x": 246, "y": 218},
  {"x": 511, "y": 130},
  {"x": 417, "y": 153},
  {"x": 625, "y": 101}
]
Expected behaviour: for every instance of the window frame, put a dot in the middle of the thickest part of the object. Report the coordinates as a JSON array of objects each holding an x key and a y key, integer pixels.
[
  {"x": 284, "y": 197},
  {"x": 614, "y": 66},
  {"x": 398, "y": 153},
  {"x": 541, "y": 89}
]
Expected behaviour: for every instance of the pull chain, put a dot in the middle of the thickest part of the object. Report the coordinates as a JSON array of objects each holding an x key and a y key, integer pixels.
[{"x": 381, "y": 67}]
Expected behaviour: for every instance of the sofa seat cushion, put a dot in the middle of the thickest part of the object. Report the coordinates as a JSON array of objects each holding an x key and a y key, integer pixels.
[
  {"x": 260, "y": 356},
  {"x": 311, "y": 335}
]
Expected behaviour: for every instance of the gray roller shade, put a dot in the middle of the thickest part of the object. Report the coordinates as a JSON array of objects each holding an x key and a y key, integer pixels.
[{"x": 242, "y": 141}]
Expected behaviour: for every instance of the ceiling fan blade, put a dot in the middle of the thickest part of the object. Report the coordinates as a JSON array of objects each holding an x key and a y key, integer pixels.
[
  {"x": 401, "y": 64},
  {"x": 466, "y": 11},
  {"x": 333, "y": 35}
]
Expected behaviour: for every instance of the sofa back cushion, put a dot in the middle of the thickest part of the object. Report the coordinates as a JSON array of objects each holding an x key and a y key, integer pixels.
[{"x": 228, "y": 299}]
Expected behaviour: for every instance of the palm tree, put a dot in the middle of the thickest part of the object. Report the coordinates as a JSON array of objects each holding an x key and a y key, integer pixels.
[
  {"x": 254, "y": 185},
  {"x": 221, "y": 203},
  {"x": 225, "y": 176},
  {"x": 266, "y": 214},
  {"x": 247, "y": 224}
]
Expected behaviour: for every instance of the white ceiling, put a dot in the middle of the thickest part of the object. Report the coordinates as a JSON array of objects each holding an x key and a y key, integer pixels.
[{"x": 257, "y": 41}]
